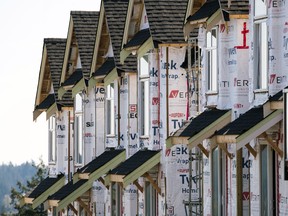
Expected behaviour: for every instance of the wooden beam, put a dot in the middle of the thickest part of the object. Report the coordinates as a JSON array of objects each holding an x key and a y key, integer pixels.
[
  {"x": 140, "y": 188},
  {"x": 223, "y": 147},
  {"x": 272, "y": 144},
  {"x": 151, "y": 180},
  {"x": 73, "y": 209},
  {"x": 103, "y": 182},
  {"x": 87, "y": 209},
  {"x": 251, "y": 150},
  {"x": 203, "y": 149},
  {"x": 239, "y": 182}
]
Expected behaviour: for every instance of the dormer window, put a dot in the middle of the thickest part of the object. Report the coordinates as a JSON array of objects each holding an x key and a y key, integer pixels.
[
  {"x": 78, "y": 130},
  {"x": 212, "y": 59},
  {"x": 260, "y": 45},
  {"x": 52, "y": 139}
]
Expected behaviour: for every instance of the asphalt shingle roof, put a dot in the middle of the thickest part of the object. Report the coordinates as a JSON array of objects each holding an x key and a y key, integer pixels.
[
  {"x": 74, "y": 78},
  {"x": 105, "y": 68},
  {"x": 139, "y": 38},
  {"x": 100, "y": 161},
  {"x": 85, "y": 28},
  {"x": 206, "y": 11},
  {"x": 55, "y": 54},
  {"x": 166, "y": 19},
  {"x": 243, "y": 123},
  {"x": 66, "y": 190},
  {"x": 236, "y": 7},
  {"x": 116, "y": 11},
  {"x": 47, "y": 102},
  {"x": 133, "y": 162},
  {"x": 44, "y": 185},
  {"x": 277, "y": 97},
  {"x": 201, "y": 121}
]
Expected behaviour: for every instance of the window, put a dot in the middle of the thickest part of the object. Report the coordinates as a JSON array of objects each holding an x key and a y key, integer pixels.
[
  {"x": 150, "y": 199},
  {"x": 110, "y": 119},
  {"x": 260, "y": 45},
  {"x": 78, "y": 130},
  {"x": 211, "y": 63},
  {"x": 52, "y": 139},
  {"x": 144, "y": 96},
  {"x": 115, "y": 200},
  {"x": 217, "y": 182}
]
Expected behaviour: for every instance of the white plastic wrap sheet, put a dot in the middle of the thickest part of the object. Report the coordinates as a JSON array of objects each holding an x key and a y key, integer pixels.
[
  {"x": 154, "y": 142},
  {"x": 277, "y": 45},
  {"x": 62, "y": 142},
  {"x": 89, "y": 126},
  {"x": 99, "y": 119},
  {"x": 207, "y": 187},
  {"x": 99, "y": 196}
]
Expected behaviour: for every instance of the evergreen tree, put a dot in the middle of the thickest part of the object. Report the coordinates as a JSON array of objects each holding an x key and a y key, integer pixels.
[{"x": 17, "y": 194}]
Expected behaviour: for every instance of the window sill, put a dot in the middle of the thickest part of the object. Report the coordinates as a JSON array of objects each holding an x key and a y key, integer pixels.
[
  {"x": 211, "y": 93},
  {"x": 52, "y": 163},
  {"x": 110, "y": 136},
  {"x": 259, "y": 91},
  {"x": 144, "y": 137}
]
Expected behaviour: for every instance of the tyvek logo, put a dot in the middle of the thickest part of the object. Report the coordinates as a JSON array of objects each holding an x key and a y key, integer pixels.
[
  {"x": 168, "y": 151},
  {"x": 246, "y": 196},
  {"x": 155, "y": 101},
  {"x": 272, "y": 78},
  {"x": 174, "y": 94},
  {"x": 222, "y": 28}
]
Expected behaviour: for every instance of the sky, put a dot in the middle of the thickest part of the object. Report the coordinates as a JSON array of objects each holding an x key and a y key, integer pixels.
[{"x": 23, "y": 27}]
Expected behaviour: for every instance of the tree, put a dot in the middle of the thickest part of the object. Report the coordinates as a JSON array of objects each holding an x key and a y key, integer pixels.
[{"x": 17, "y": 194}]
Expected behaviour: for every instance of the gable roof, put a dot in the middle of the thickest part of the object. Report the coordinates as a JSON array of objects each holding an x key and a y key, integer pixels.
[
  {"x": 134, "y": 167},
  {"x": 199, "y": 128},
  {"x": 49, "y": 76},
  {"x": 166, "y": 19},
  {"x": 43, "y": 190},
  {"x": 237, "y": 7},
  {"x": 80, "y": 43},
  {"x": 116, "y": 11},
  {"x": 248, "y": 126}
]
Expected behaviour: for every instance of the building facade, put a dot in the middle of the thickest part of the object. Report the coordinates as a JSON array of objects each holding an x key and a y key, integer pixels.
[{"x": 167, "y": 108}]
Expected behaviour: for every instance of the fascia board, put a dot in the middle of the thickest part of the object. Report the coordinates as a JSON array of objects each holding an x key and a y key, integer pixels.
[
  {"x": 41, "y": 75},
  {"x": 109, "y": 78},
  {"x": 74, "y": 195},
  {"x": 145, "y": 167},
  {"x": 53, "y": 189},
  {"x": 98, "y": 38},
  {"x": 67, "y": 50},
  {"x": 51, "y": 111},
  {"x": 210, "y": 130},
  {"x": 78, "y": 87},
  {"x": 259, "y": 128}
]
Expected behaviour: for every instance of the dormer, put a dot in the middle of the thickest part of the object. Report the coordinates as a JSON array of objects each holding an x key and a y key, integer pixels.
[{"x": 79, "y": 50}]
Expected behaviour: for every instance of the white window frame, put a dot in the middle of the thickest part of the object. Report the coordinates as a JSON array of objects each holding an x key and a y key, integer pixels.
[
  {"x": 143, "y": 108},
  {"x": 110, "y": 110},
  {"x": 150, "y": 199},
  {"x": 52, "y": 149},
  {"x": 78, "y": 130},
  {"x": 116, "y": 196},
  {"x": 260, "y": 42},
  {"x": 212, "y": 60}
]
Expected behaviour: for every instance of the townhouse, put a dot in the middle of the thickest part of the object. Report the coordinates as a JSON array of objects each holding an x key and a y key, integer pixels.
[{"x": 167, "y": 108}]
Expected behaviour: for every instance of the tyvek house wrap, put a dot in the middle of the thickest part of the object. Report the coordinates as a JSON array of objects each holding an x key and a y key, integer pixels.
[{"x": 175, "y": 110}]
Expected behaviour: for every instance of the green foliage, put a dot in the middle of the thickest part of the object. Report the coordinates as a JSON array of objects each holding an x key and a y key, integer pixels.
[{"x": 17, "y": 193}]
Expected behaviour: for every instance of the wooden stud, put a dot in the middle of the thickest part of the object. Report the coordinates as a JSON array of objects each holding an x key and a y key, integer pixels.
[
  {"x": 204, "y": 150},
  {"x": 87, "y": 209},
  {"x": 73, "y": 209},
  {"x": 140, "y": 188},
  {"x": 223, "y": 147},
  {"x": 272, "y": 144},
  {"x": 239, "y": 182},
  {"x": 251, "y": 150},
  {"x": 151, "y": 180},
  {"x": 103, "y": 182}
]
